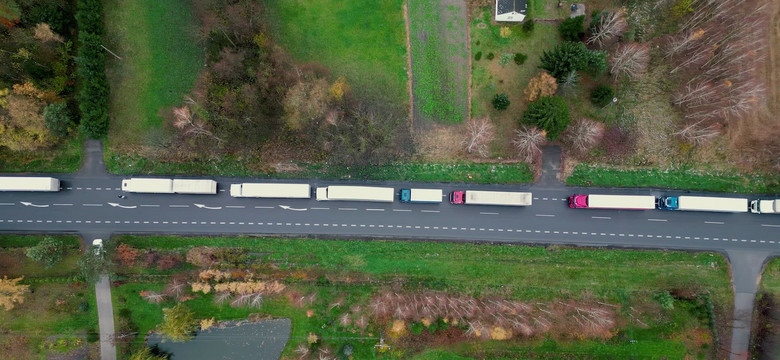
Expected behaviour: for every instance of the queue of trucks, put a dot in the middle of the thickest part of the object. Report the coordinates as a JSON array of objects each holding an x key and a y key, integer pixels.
[{"x": 413, "y": 195}]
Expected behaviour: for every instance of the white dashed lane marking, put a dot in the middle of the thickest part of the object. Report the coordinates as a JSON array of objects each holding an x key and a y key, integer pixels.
[
  {"x": 714, "y": 222},
  {"x": 657, "y": 220}
]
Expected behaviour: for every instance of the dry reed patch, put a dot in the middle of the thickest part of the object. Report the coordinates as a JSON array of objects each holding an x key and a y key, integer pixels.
[{"x": 439, "y": 142}]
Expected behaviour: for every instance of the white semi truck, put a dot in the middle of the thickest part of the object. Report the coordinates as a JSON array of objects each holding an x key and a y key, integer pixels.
[
  {"x": 703, "y": 203},
  {"x": 355, "y": 193},
  {"x": 169, "y": 186},
  {"x": 271, "y": 190},
  {"x": 29, "y": 183},
  {"x": 431, "y": 196},
  {"x": 765, "y": 206},
  {"x": 505, "y": 198},
  {"x": 625, "y": 202}
]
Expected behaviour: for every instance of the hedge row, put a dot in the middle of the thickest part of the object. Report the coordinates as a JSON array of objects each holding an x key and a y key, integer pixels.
[{"x": 93, "y": 96}]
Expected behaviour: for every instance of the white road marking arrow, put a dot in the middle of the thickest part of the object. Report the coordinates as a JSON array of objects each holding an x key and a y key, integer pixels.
[
  {"x": 208, "y": 207},
  {"x": 289, "y": 208},
  {"x": 33, "y": 205},
  {"x": 122, "y": 206}
]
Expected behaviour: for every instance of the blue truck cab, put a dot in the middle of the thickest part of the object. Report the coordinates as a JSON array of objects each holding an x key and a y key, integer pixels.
[
  {"x": 406, "y": 195},
  {"x": 667, "y": 203}
]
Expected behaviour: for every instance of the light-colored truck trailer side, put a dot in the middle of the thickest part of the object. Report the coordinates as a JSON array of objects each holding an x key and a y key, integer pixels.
[
  {"x": 355, "y": 193},
  {"x": 504, "y": 198},
  {"x": 29, "y": 183},
  {"x": 194, "y": 186},
  {"x": 431, "y": 196},
  {"x": 169, "y": 186},
  {"x": 703, "y": 203},
  {"x": 765, "y": 206},
  {"x": 626, "y": 202},
  {"x": 271, "y": 190}
]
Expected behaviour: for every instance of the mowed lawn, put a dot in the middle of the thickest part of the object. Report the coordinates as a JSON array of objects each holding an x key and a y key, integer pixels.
[
  {"x": 364, "y": 41},
  {"x": 58, "y": 313},
  {"x": 160, "y": 61},
  {"x": 438, "y": 33}
]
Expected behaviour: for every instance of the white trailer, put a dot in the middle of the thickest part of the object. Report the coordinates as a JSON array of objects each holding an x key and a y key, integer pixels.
[
  {"x": 355, "y": 193},
  {"x": 765, "y": 206},
  {"x": 431, "y": 196},
  {"x": 169, "y": 186},
  {"x": 707, "y": 203},
  {"x": 148, "y": 185},
  {"x": 29, "y": 183},
  {"x": 506, "y": 198},
  {"x": 194, "y": 186},
  {"x": 630, "y": 202},
  {"x": 271, "y": 190}
]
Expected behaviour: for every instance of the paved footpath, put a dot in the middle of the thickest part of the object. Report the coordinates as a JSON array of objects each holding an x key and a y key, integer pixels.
[{"x": 105, "y": 319}]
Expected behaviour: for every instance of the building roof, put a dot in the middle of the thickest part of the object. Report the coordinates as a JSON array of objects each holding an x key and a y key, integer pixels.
[{"x": 511, "y": 10}]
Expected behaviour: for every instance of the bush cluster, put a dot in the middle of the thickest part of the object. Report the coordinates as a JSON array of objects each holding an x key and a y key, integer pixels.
[
  {"x": 549, "y": 113},
  {"x": 602, "y": 95},
  {"x": 573, "y": 56},
  {"x": 572, "y": 29},
  {"x": 93, "y": 96}
]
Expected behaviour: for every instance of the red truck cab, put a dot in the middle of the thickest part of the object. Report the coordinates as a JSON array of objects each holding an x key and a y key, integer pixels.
[
  {"x": 578, "y": 201},
  {"x": 457, "y": 197}
]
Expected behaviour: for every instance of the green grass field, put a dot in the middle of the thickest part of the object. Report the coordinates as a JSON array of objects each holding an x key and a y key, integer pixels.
[
  {"x": 363, "y": 41},
  {"x": 439, "y": 61},
  {"x": 160, "y": 61},
  {"x": 590, "y": 175},
  {"x": 54, "y": 311},
  {"x": 64, "y": 158},
  {"x": 628, "y": 278}
]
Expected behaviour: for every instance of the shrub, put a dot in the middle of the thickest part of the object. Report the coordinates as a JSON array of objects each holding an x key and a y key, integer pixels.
[
  {"x": 505, "y": 58},
  {"x": 665, "y": 299},
  {"x": 478, "y": 56},
  {"x": 168, "y": 261},
  {"x": 83, "y": 306},
  {"x": 528, "y": 25},
  {"x": 570, "y": 56},
  {"x": 490, "y": 56},
  {"x": 572, "y": 29},
  {"x": 520, "y": 58},
  {"x": 501, "y": 101},
  {"x": 49, "y": 251},
  {"x": 149, "y": 258},
  {"x": 602, "y": 95},
  {"x": 416, "y": 328},
  {"x": 549, "y": 113},
  {"x": 202, "y": 256},
  {"x": 126, "y": 254},
  {"x": 57, "y": 119}
]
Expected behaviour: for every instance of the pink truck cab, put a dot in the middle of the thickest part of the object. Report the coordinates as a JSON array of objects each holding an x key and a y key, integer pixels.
[
  {"x": 457, "y": 197},
  {"x": 578, "y": 201}
]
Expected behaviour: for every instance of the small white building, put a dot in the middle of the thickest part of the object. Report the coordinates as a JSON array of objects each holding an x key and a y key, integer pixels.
[{"x": 511, "y": 10}]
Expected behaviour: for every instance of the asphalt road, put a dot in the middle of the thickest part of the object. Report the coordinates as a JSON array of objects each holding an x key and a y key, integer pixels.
[{"x": 89, "y": 204}]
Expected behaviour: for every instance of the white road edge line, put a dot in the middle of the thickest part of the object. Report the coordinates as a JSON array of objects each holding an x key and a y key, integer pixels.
[{"x": 714, "y": 222}]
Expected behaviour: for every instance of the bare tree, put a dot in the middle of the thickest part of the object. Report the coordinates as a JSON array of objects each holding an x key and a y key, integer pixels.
[
  {"x": 221, "y": 297},
  {"x": 584, "y": 134},
  {"x": 176, "y": 289},
  {"x": 610, "y": 25},
  {"x": 568, "y": 84},
  {"x": 699, "y": 133},
  {"x": 528, "y": 142},
  {"x": 154, "y": 297},
  {"x": 480, "y": 132},
  {"x": 630, "y": 60},
  {"x": 184, "y": 120}
]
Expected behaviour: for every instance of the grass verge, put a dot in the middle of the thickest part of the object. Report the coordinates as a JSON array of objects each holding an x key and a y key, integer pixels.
[
  {"x": 765, "y": 335},
  {"x": 363, "y": 41},
  {"x": 65, "y": 158},
  {"x": 160, "y": 61},
  {"x": 355, "y": 270},
  {"x": 590, "y": 175},
  {"x": 229, "y": 166},
  {"x": 439, "y": 61},
  {"x": 58, "y": 317}
]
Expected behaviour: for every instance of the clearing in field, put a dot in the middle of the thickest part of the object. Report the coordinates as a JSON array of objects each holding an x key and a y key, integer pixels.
[
  {"x": 58, "y": 315},
  {"x": 363, "y": 41},
  {"x": 438, "y": 36},
  {"x": 160, "y": 61},
  {"x": 477, "y": 301}
]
